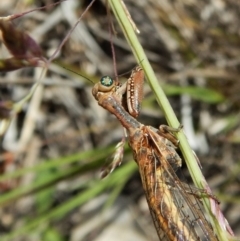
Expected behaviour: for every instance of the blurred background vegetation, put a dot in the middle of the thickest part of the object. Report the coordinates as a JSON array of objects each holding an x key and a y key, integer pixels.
[{"x": 55, "y": 147}]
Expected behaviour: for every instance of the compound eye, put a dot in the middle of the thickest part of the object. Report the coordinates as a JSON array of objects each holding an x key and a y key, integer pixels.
[
  {"x": 106, "y": 84},
  {"x": 106, "y": 81}
]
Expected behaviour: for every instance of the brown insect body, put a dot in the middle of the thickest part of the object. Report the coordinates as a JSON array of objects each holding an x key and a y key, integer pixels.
[{"x": 176, "y": 216}]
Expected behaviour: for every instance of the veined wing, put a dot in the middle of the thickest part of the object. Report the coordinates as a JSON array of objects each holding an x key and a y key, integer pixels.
[
  {"x": 170, "y": 224},
  {"x": 186, "y": 218}
]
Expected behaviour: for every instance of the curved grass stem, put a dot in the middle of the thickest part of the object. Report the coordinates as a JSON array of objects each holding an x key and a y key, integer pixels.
[{"x": 123, "y": 17}]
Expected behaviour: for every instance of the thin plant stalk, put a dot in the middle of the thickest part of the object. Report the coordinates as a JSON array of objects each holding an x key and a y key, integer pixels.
[{"x": 125, "y": 22}]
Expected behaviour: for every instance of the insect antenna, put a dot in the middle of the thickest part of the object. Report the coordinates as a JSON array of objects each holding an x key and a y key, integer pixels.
[
  {"x": 111, "y": 32},
  {"x": 74, "y": 72}
]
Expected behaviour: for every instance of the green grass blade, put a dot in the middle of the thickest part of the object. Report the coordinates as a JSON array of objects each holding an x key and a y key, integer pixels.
[
  {"x": 95, "y": 188},
  {"x": 193, "y": 167}
]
